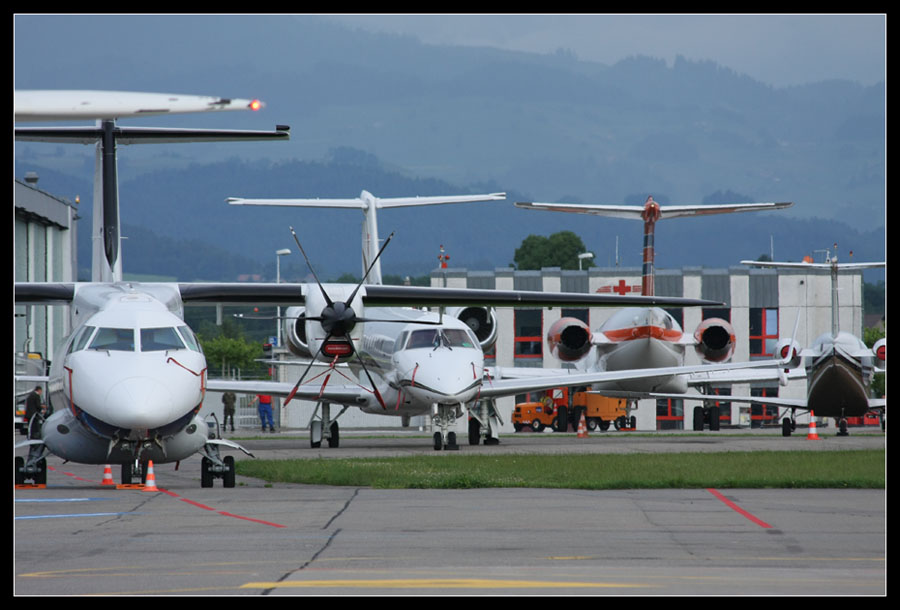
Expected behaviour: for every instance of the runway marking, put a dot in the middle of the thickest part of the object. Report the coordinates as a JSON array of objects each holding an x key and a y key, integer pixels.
[
  {"x": 440, "y": 583},
  {"x": 221, "y": 512},
  {"x": 739, "y": 510},
  {"x": 74, "y": 515},
  {"x": 24, "y": 500}
]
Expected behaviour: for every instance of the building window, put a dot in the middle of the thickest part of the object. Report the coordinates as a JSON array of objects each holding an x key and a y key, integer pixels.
[
  {"x": 717, "y": 312},
  {"x": 578, "y": 314},
  {"x": 669, "y": 414},
  {"x": 762, "y": 414},
  {"x": 529, "y": 331},
  {"x": 763, "y": 335}
]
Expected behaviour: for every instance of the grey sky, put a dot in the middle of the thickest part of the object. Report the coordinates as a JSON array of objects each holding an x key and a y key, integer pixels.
[{"x": 779, "y": 49}]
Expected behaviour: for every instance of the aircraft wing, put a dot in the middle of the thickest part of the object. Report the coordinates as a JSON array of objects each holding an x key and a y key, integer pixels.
[
  {"x": 513, "y": 381},
  {"x": 822, "y": 266},
  {"x": 361, "y": 203},
  {"x": 343, "y": 394},
  {"x": 799, "y": 403},
  {"x": 666, "y": 211},
  {"x": 57, "y": 105},
  {"x": 421, "y": 296}
]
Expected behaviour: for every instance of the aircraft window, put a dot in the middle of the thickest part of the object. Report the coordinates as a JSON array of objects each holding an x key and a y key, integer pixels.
[
  {"x": 423, "y": 338},
  {"x": 116, "y": 339},
  {"x": 457, "y": 337},
  {"x": 401, "y": 341},
  {"x": 189, "y": 338},
  {"x": 160, "y": 339},
  {"x": 81, "y": 340}
]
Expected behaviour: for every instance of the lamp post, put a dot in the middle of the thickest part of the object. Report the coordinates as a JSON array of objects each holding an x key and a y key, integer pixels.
[
  {"x": 278, "y": 255},
  {"x": 583, "y": 256}
]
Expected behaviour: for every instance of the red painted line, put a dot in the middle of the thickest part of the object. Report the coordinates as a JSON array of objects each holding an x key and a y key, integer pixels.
[
  {"x": 197, "y": 504},
  {"x": 227, "y": 514},
  {"x": 739, "y": 510}
]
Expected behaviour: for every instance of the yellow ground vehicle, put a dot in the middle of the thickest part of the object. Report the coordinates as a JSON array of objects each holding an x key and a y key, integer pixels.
[
  {"x": 554, "y": 411},
  {"x": 601, "y": 411}
]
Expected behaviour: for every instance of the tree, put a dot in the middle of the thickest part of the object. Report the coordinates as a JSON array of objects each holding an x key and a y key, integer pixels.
[{"x": 561, "y": 249}]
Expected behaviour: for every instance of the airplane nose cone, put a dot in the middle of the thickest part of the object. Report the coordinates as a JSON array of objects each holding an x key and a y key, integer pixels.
[
  {"x": 445, "y": 384},
  {"x": 140, "y": 402}
]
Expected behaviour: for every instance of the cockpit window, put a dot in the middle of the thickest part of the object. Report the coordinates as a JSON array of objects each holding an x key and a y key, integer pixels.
[
  {"x": 115, "y": 339},
  {"x": 81, "y": 339},
  {"x": 447, "y": 337},
  {"x": 160, "y": 339},
  {"x": 188, "y": 335}
]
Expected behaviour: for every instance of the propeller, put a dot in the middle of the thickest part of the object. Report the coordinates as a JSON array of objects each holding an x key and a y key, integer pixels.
[{"x": 338, "y": 319}]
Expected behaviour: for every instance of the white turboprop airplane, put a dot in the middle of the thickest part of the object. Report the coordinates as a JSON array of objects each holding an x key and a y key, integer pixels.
[
  {"x": 128, "y": 382},
  {"x": 646, "y": 337}
]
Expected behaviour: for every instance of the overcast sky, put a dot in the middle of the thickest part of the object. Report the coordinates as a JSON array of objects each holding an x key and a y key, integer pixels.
[{"x": 779, "y": 50}]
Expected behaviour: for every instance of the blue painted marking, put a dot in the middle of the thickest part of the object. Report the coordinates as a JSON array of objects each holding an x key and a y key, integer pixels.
[
  {"x": 60, "y": 499},
  {"x": 75, "y": 515}
]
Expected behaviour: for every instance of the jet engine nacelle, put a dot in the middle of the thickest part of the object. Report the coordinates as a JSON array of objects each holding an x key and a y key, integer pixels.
[
  {"x": 294, "y": 325},
  {"x": 714, "y": 340},
  {"x": 880, "y": 349},
  {"x": 482, "y": 321},
  {"x": 569, "y": 339},
  {"x": 789, "y": 349}
]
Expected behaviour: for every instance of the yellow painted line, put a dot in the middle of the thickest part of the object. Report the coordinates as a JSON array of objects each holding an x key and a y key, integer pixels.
[{"x": 438, "y": 583}]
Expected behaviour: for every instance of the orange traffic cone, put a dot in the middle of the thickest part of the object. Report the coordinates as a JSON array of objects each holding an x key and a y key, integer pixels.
[
  {"x": 812, "y": 435},
  {"x": 151, "y": 478},
  {"x": 107, "y": 476},
  {"x": 582, "y": 428}
]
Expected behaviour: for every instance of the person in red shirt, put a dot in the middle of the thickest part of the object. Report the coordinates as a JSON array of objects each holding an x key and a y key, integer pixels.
[{"x": 264, "y": 409}]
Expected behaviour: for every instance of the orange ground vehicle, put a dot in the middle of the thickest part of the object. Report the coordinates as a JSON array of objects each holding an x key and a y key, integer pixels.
[{"x": 599, "y": 412}]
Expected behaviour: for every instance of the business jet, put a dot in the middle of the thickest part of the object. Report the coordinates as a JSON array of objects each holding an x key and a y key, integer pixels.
[
  {"x": 839, "y": 366},
  {"x": 646, "y": 337},
  {"x": 127, "y": 384}
]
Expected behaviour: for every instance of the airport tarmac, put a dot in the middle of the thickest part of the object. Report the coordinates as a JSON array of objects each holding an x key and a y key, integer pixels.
[{"x": 78, "y": 537}]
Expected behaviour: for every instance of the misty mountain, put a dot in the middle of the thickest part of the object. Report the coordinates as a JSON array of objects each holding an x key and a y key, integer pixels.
[
  {"x": 548, "y": 127},
  {"x": 177, "y": 224}
]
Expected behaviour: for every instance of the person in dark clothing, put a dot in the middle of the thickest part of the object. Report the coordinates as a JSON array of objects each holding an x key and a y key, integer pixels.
[
  {"x": 228, "y": 400},
  {"x": 35, "y": 412}
]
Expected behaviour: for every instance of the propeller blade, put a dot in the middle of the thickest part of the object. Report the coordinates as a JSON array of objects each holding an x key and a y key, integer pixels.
[
  {"x": 371, "y": 382},
  {"x": 308, "y": 366},
  {"x": 313, "y": 271},
  {"x": 372, "y": 264},
  {"x": 433, "y": 323}
]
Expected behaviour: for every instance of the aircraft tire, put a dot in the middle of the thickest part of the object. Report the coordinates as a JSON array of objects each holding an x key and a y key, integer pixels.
[
  {"x": 19, "y": 463},
  {"x": 228, "y": 476},
  {"x": 438, "y": 441},
  {"x": 334, "y": 440},
  {"x": 474, "y": 431},
  {"x": 786, "y": 427},
  {"x": 206, "y": 476}
]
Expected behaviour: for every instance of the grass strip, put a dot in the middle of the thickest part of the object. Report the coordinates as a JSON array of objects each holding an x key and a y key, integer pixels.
[{"x": 857, "y": 469}]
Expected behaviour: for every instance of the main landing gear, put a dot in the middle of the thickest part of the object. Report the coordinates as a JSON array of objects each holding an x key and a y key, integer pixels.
[
  {"x": 484, "y": 422},
  {"x": 323, "y": 427}
]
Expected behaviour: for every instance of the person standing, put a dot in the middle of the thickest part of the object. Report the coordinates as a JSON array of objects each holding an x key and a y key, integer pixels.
[
  {"x": 264, "y": 409},
  {"x": 35, "y": 412},
  {"x": 228, "y": 401}
]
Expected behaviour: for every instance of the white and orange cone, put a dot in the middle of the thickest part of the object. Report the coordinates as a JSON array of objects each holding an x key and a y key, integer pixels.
[
  {"x": 151, "y": 478},
  {"x": 107, "y": 476},
  {"x": 582, "y": 428},
  {"x": 812, "y": 435}
]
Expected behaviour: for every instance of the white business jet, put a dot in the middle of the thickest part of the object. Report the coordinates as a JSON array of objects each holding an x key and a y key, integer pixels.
[{"x": 127, "y": 384}]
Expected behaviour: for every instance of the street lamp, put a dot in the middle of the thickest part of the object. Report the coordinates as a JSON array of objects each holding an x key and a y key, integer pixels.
[
  {"x": 583, "y": 256},
  {"x": 278, "y": 255}
]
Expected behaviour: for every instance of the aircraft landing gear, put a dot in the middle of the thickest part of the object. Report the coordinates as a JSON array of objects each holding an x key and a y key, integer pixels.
[
  {"x": 324, "y": 427},
  {"x": 704, "y": 415},
  {"x": 35, "y": 472},
  {"x": 213, "y": 467},
  {"x": 445, "y": 417},
  {"x": 483, "y": 423}
]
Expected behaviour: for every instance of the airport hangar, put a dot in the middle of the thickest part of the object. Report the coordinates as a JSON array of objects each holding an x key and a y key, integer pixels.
[{"x": 45, "y": 250}]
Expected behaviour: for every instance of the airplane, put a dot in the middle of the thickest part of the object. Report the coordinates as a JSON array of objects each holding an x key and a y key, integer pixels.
[
  {"x": 402, "y": 376},
  {"x": 127, "y": 383},
  {"x": 644, "y": 337},
  {"x": 839, "y": 366}
]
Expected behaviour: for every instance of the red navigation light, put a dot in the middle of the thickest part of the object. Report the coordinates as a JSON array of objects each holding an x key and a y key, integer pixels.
[{"x": 255, "y": 105}]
